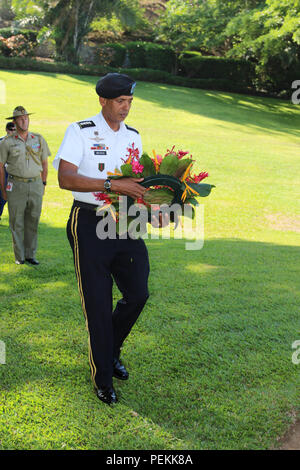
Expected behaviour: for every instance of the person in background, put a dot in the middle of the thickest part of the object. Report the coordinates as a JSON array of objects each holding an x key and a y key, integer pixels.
[{"x": 25, "y": 155}]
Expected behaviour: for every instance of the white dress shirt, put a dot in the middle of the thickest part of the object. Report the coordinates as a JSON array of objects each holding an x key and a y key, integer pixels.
[{"x": 95, "y": 149}]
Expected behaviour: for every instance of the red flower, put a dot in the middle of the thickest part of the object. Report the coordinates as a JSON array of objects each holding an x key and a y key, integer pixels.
[
  {"x": 170, "y": 151},
  {"x": 133, "y": 154},
  {"x": 102, "y": 197},
  {"x": 140, "y": 200},
  {"x": 181, "y": 154},
  {"x": 197, "y": 178},
  {"x": 158, "y": 159}
]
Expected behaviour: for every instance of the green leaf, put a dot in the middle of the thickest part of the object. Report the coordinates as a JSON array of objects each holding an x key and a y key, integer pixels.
[
  {"x": 182, "y": 166},
  {"x": 192, "y": 201},
  {"x": 149, "y": 168},
  {"x": 169, "y": 165},
  {"x": 202, "y": 189},
  {"x": 126, "y": 170}
]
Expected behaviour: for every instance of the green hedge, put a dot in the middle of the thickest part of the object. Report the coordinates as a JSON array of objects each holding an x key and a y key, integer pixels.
[
  {"x": 114, "y": 54},
  {"x": 19, "y": 63},
  {"x": 141, "y": 54},
  {"x": 147, "y": 75},
  {"x": 165, "y": 77},
  {"x": 150, "y": 55},
  {"x": 189, "y": 54},
  {"x": 160, "y": 57},
  {"x": 240, "y": 71},
  {"x": 136, "y": 52}
]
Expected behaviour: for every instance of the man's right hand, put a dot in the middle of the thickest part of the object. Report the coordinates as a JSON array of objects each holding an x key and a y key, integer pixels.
[{"x": 128, "y": 187}]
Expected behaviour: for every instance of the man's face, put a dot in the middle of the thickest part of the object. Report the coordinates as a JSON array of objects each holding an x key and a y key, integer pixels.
[
  {"x": 22, "y": 122},
  {"x": 10, "y": 131},
  {"x": 117, "y": 109}
]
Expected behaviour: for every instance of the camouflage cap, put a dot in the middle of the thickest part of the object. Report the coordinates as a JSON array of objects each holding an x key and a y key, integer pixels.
[{"x": 19, "y": 111}]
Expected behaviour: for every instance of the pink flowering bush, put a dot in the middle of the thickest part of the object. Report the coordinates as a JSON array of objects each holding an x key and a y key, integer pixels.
[{"x": 16, "y": 46}]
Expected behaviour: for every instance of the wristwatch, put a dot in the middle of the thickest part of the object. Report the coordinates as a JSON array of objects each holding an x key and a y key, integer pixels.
[
  {"x": 44, "y": 183},
  {"x": 107, "y": 185}
]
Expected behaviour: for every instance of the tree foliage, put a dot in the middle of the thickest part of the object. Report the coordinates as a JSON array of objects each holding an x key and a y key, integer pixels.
[
  {"x": 265, "y": 32},
  {"x": 200, "y": 24},
  {"x": 69, "y": 21}
]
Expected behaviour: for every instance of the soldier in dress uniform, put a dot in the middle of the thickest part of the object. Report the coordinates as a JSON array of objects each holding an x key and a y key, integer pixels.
[
  {"x": 91, "y": 148},
  {"x": 25, "y": 155}
]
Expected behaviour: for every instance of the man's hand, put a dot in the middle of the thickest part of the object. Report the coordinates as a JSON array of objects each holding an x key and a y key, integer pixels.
[
  {"x": 128, "y": 187},
  {"x": 69, "y": 178}
]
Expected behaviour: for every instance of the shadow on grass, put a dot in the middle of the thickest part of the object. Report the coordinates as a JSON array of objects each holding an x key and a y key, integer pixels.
[
  {"x": 275, "y": 116},
  {"x": 210, "y": 353}
]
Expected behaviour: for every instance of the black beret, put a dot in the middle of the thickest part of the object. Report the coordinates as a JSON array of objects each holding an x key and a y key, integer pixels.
[{"x": 113, "y": 85}]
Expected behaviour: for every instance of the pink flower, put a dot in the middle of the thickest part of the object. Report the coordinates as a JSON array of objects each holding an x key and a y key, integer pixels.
[{"x": 136, "y": 167}]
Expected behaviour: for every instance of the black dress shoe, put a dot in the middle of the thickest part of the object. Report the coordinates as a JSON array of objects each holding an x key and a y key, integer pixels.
[
  {"x": 119, "y": 370},
  {"x": 32, "y": 261},
  {"x": 107, "y": 395},
  {"x": 19, "y": 261}
]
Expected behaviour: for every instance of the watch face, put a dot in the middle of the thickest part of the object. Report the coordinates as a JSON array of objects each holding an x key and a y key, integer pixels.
[{"x": 107, "y": 184}]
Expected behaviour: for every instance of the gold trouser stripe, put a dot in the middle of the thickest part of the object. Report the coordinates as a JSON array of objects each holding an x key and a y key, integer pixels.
[{"x": 74, "y": 222}]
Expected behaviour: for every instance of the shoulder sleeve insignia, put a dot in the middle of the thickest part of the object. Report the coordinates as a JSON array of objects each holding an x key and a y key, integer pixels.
[
  {"x": 132, "y": 129},
  {"x": 84, "y": 124}
]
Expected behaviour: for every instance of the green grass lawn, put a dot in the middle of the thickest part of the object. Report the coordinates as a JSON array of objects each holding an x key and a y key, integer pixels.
[{"x": 210, "y": 358}]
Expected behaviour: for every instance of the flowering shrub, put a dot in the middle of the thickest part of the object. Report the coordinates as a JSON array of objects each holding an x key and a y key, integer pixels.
[{"x": 16, "y": 46}]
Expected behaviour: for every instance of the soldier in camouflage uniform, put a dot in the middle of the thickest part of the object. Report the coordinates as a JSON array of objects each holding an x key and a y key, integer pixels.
[{"x": 25, "y": 155}]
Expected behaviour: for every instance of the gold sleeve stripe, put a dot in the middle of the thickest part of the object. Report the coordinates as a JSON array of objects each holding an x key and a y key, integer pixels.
[{"x": 74, "y": 222}]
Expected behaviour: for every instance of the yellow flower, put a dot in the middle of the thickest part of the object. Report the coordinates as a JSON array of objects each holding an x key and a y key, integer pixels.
[{"x": 115, "y": 173}]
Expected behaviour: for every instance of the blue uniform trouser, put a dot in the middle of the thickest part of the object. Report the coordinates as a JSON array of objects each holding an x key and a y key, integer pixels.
[
  {"x": 2, "y": 201},
  {"x": 97, "y": 263}
]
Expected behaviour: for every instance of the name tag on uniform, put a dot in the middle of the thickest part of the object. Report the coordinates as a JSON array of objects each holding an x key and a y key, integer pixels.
[
  {"x": 84, "y": 124},
  {"x": 100, "y": 152},
  {"x": 9, "y": 186}
]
